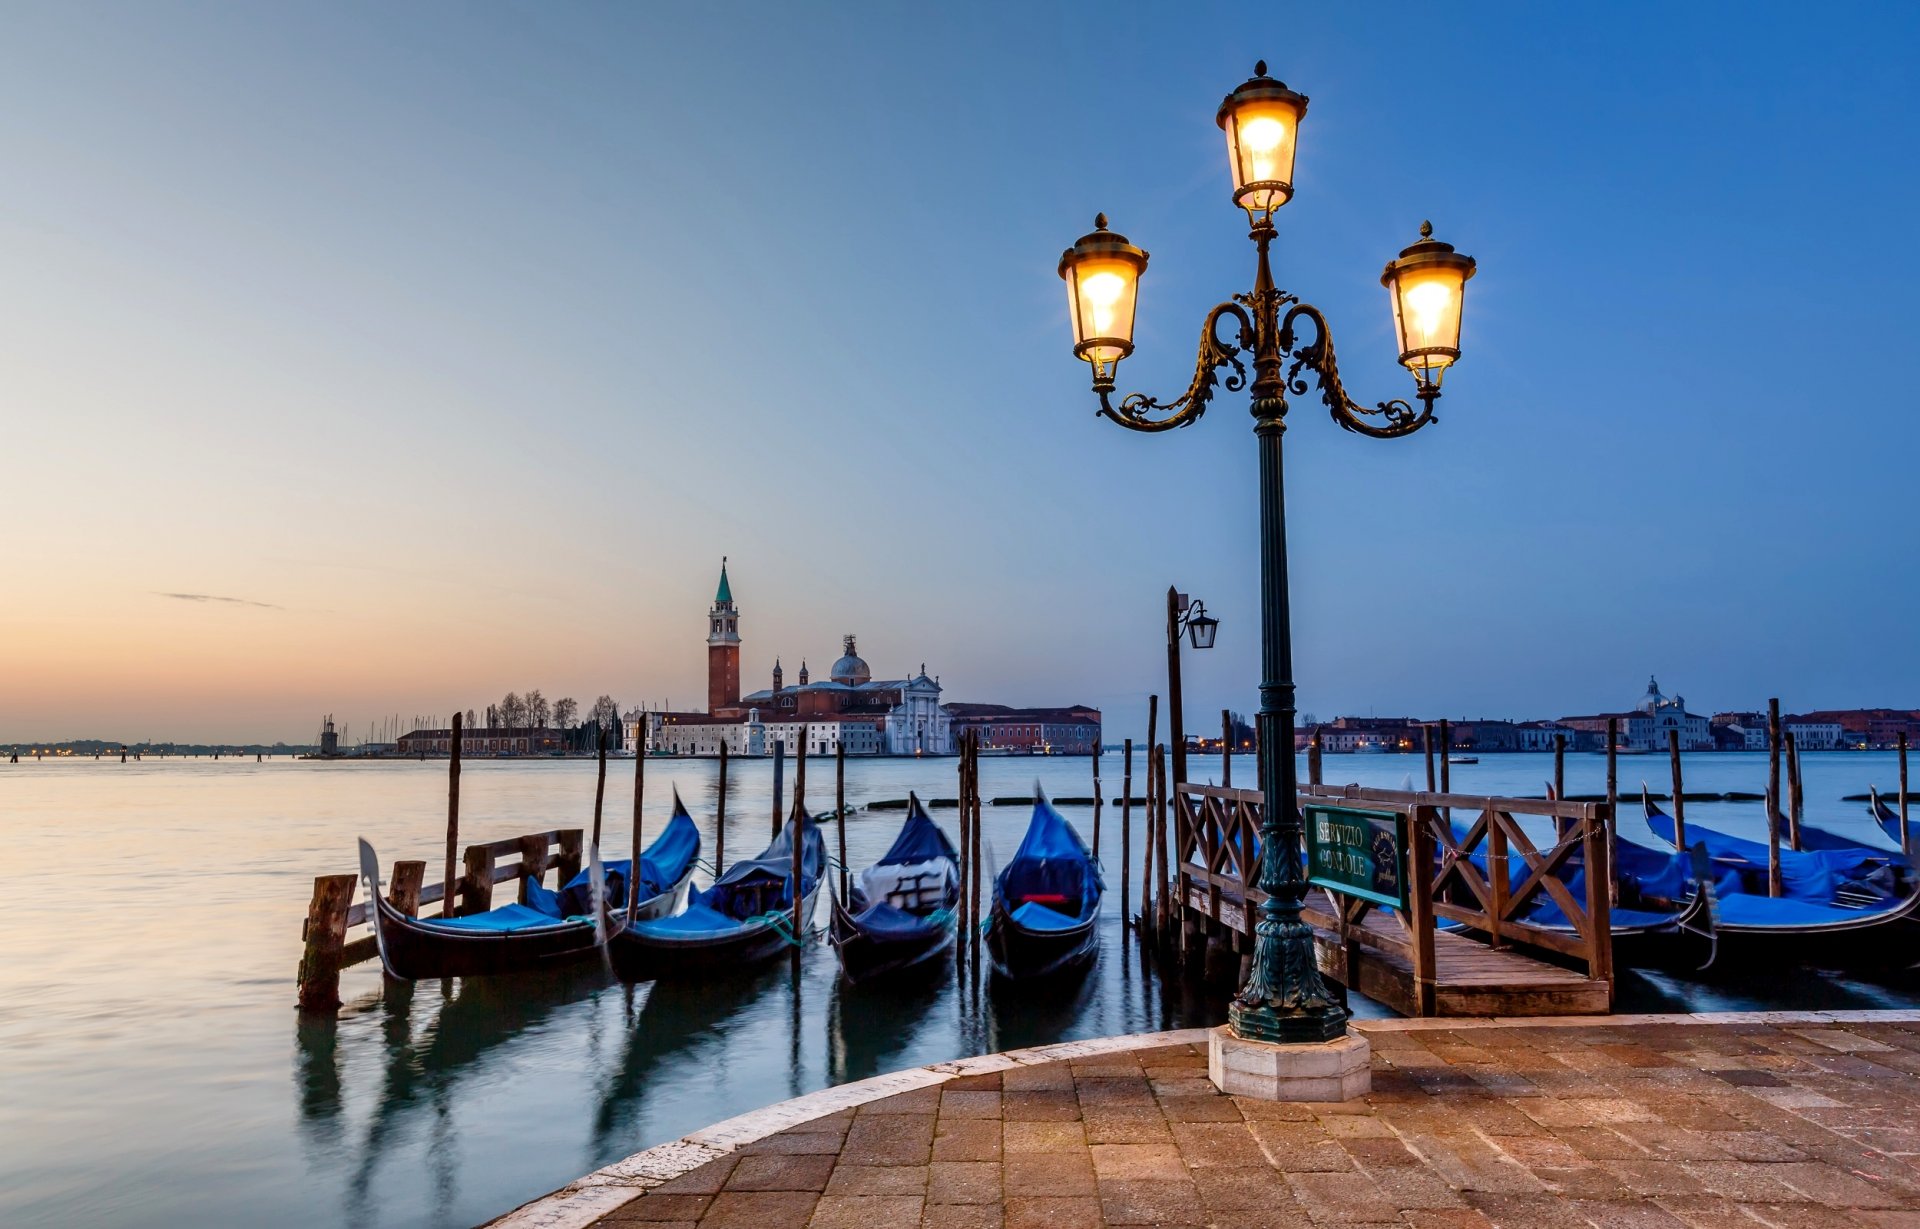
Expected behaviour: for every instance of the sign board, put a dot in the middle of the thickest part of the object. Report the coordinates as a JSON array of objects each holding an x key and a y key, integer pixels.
[{"x": 1358, "y": 853}]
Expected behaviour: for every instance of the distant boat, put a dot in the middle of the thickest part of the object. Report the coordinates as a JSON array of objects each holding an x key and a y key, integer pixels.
[
  {"x": 901, "y": 912},
  {"x": 1463, "y": 759},
  {"x": 1046, "y": 902}
]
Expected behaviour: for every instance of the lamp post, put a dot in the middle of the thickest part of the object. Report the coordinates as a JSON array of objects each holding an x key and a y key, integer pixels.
[
  {"x": 1284, "y": 999},
  {"x": 1186, "y": 616}
]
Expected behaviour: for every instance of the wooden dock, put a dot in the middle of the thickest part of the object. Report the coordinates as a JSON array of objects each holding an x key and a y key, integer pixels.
[{"x": 1400, "y": 957}]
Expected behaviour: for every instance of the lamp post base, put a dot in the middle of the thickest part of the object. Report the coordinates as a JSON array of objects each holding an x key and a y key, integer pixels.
[{"x": 1337, "y": 1070}]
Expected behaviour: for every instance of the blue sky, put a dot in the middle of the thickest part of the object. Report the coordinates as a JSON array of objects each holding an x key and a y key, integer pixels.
[{"x": 464, "y": 340}]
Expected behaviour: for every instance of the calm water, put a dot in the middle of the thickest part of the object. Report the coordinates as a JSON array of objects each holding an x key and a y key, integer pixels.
[{"x": 156, "y": 1073}]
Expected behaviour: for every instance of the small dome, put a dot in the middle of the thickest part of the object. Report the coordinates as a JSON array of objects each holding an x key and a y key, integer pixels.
[{"x": 850, "y": 669}]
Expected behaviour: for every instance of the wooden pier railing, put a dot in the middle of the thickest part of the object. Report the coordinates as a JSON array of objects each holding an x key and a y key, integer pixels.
[
  {"x": 331, "y": 913},
  {"x": 1487, "y": 877}
]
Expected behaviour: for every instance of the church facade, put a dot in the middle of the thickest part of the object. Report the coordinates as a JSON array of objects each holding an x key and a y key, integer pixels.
[{"x": 849, "y": 708}]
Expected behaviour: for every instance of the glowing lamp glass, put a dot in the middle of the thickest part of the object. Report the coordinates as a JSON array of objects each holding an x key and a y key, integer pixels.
[
  {"x": 1427, "y": 287},
  {"x": 1102, "y": 271},
  {"x": 1262, "y": 122}
]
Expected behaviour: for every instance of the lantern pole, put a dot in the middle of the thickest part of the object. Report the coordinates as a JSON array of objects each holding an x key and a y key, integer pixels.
[{"x": 1284, "y": 999}]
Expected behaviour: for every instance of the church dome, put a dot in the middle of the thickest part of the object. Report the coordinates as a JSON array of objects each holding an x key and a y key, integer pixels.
[{"x": 850, "y": 669}]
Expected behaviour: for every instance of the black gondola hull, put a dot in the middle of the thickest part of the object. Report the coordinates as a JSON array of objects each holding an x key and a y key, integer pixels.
[
  {"x": 1020, "y": 954},
  {"x": 413, "y": 950},
  {"x": 866, "y": 957},
  {"x": 638, "y": 956}
]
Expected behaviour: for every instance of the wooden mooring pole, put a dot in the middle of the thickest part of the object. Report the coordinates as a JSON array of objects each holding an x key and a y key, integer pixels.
[
  {"x": 779, "y": 775},
  {"x": 1160, "y": 902},
  {"x": 1426, "y": 747},
  {"x": 1679, "y": 791},
  {"x": 1153, "y": 791},
  {"x": 1226, "y": 749},
  {"x": 840, "y": 809},
  {"x": 1906, "y": 834},
  {"x": 980, "y": 889},
  {"x": 447, "y": 881},
  {"x": 639, "y": 796},
  {"x": 1796, "y": 799},
  {"x": 1097, "y": 800},
  {"x": 599, "y": 790},
  {"x": 1773, "y": 796},
  {"x": 326, "y": 935},
  {"x": 1126, "y": 826},
  {"x": 404, "y": 891},
  {"x": 1313, "y": 756},
  {"x": 799, "y": 839},
  {"x": 720, "y": 817},
  {"x": 1613, "y": 804}
]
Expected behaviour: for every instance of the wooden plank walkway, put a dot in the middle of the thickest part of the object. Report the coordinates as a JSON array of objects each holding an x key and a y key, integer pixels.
[{"x": 1470, "y": 978}]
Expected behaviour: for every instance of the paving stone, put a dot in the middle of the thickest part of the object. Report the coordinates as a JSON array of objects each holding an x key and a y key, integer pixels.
[
  {"x": 1039, "y": 1105},
  {"x": 958, "y": 1216},
  {"x": 1052, "y": 1212},
  {"x": 966, "y": 1139},
  {"x": 1141, "y": 1162},
  {"x": 1065, "y": 1172},
  {"x": 1342, "y": 1198},
  {"x": 1209, "y": 1108},
  {"x": 1238, "y": 1188},
  {"x": 781, "y": 1172},
  {"x": 918, "y": 1101},
  {"x": 1209, "y": 1145},
  {"x": 964, "y": 1104},
  {"x": 1147, "y": 1202},
  {"x": 963, "y": 1182},
  {"x": 865, "y": 1211},
  {"x": 877, "y": 1180},
  {"x": 890, "y": 1139},
  {"x": 760, "y": 1210},
  {"x": 1040, "y": 1136},
  {"x": 1110, "y": 1125}
]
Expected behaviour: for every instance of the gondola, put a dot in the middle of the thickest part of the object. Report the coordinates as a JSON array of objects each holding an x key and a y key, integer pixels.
[
  {"x": 745, "y": 916},
  {"x": 901, "y": 912},
  {"x": 1887, "y": 818},
  {"x": 1046, "y": 902},
  {"x": 550, "y": 930},
  {"x": 1848, "y": 907}
]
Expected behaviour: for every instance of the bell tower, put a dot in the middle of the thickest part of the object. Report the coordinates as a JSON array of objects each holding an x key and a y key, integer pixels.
[{"x": 723, "y": 648}]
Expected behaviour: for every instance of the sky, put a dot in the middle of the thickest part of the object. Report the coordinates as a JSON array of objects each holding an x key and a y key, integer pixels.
[{"x": 369, "y": 359}]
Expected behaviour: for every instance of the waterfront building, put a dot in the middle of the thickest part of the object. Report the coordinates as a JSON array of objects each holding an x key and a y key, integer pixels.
[
  {"x": 1814, "y": 732},
  {"x": 1073, "y": 730},
  {"x": 1745, "y": 731},
  {"x": 850, "y": 708},
  {"x": 1645, "y": 727},
  {"x": 477, "y": 741},
  {"x": 1540, "y": 735}
]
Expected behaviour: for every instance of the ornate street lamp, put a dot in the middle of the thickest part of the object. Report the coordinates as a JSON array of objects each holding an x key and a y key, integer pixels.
[
  {"x": 1284, "y": 999},
  {"x": 1201, "y": 626}
]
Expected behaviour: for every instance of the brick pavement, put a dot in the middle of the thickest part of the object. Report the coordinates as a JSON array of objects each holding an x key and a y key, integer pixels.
[{"x": 1617, "y": 1126}]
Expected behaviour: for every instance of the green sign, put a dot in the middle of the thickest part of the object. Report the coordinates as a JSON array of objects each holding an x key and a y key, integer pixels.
[{"x": 1359, "y": 853}]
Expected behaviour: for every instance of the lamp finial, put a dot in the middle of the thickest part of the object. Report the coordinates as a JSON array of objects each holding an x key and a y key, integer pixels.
[{"x": 1099, "y": 221}]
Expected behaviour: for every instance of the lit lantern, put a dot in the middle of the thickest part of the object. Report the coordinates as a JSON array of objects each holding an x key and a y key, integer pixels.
[
  {"x": 1102, "y": 271},
  {"x": 1262, "y": 123},
  {"x": 1428, "y": 283}
]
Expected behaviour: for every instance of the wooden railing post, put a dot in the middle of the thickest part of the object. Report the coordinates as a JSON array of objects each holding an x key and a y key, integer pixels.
[
  {"x": 533, "y": 861},
  {"x": 476, "y": 880},
  {"x": 1420, "y": 919},
  {"x": 572, "y": 851},
  {"x": 404, "y": 891},
  {"x": 326, "y": 935},
  {"x": 1126, "y": 828},
  {"x": 1498, "y": 884},
  {"x": 1599, "y": 873}
]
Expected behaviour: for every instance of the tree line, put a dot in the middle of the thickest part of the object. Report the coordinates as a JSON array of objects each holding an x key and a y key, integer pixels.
[{"x": 533, "y": 711}]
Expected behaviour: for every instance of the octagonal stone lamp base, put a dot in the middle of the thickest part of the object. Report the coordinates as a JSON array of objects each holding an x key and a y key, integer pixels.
[{"x": 1337, "y": 1070}]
